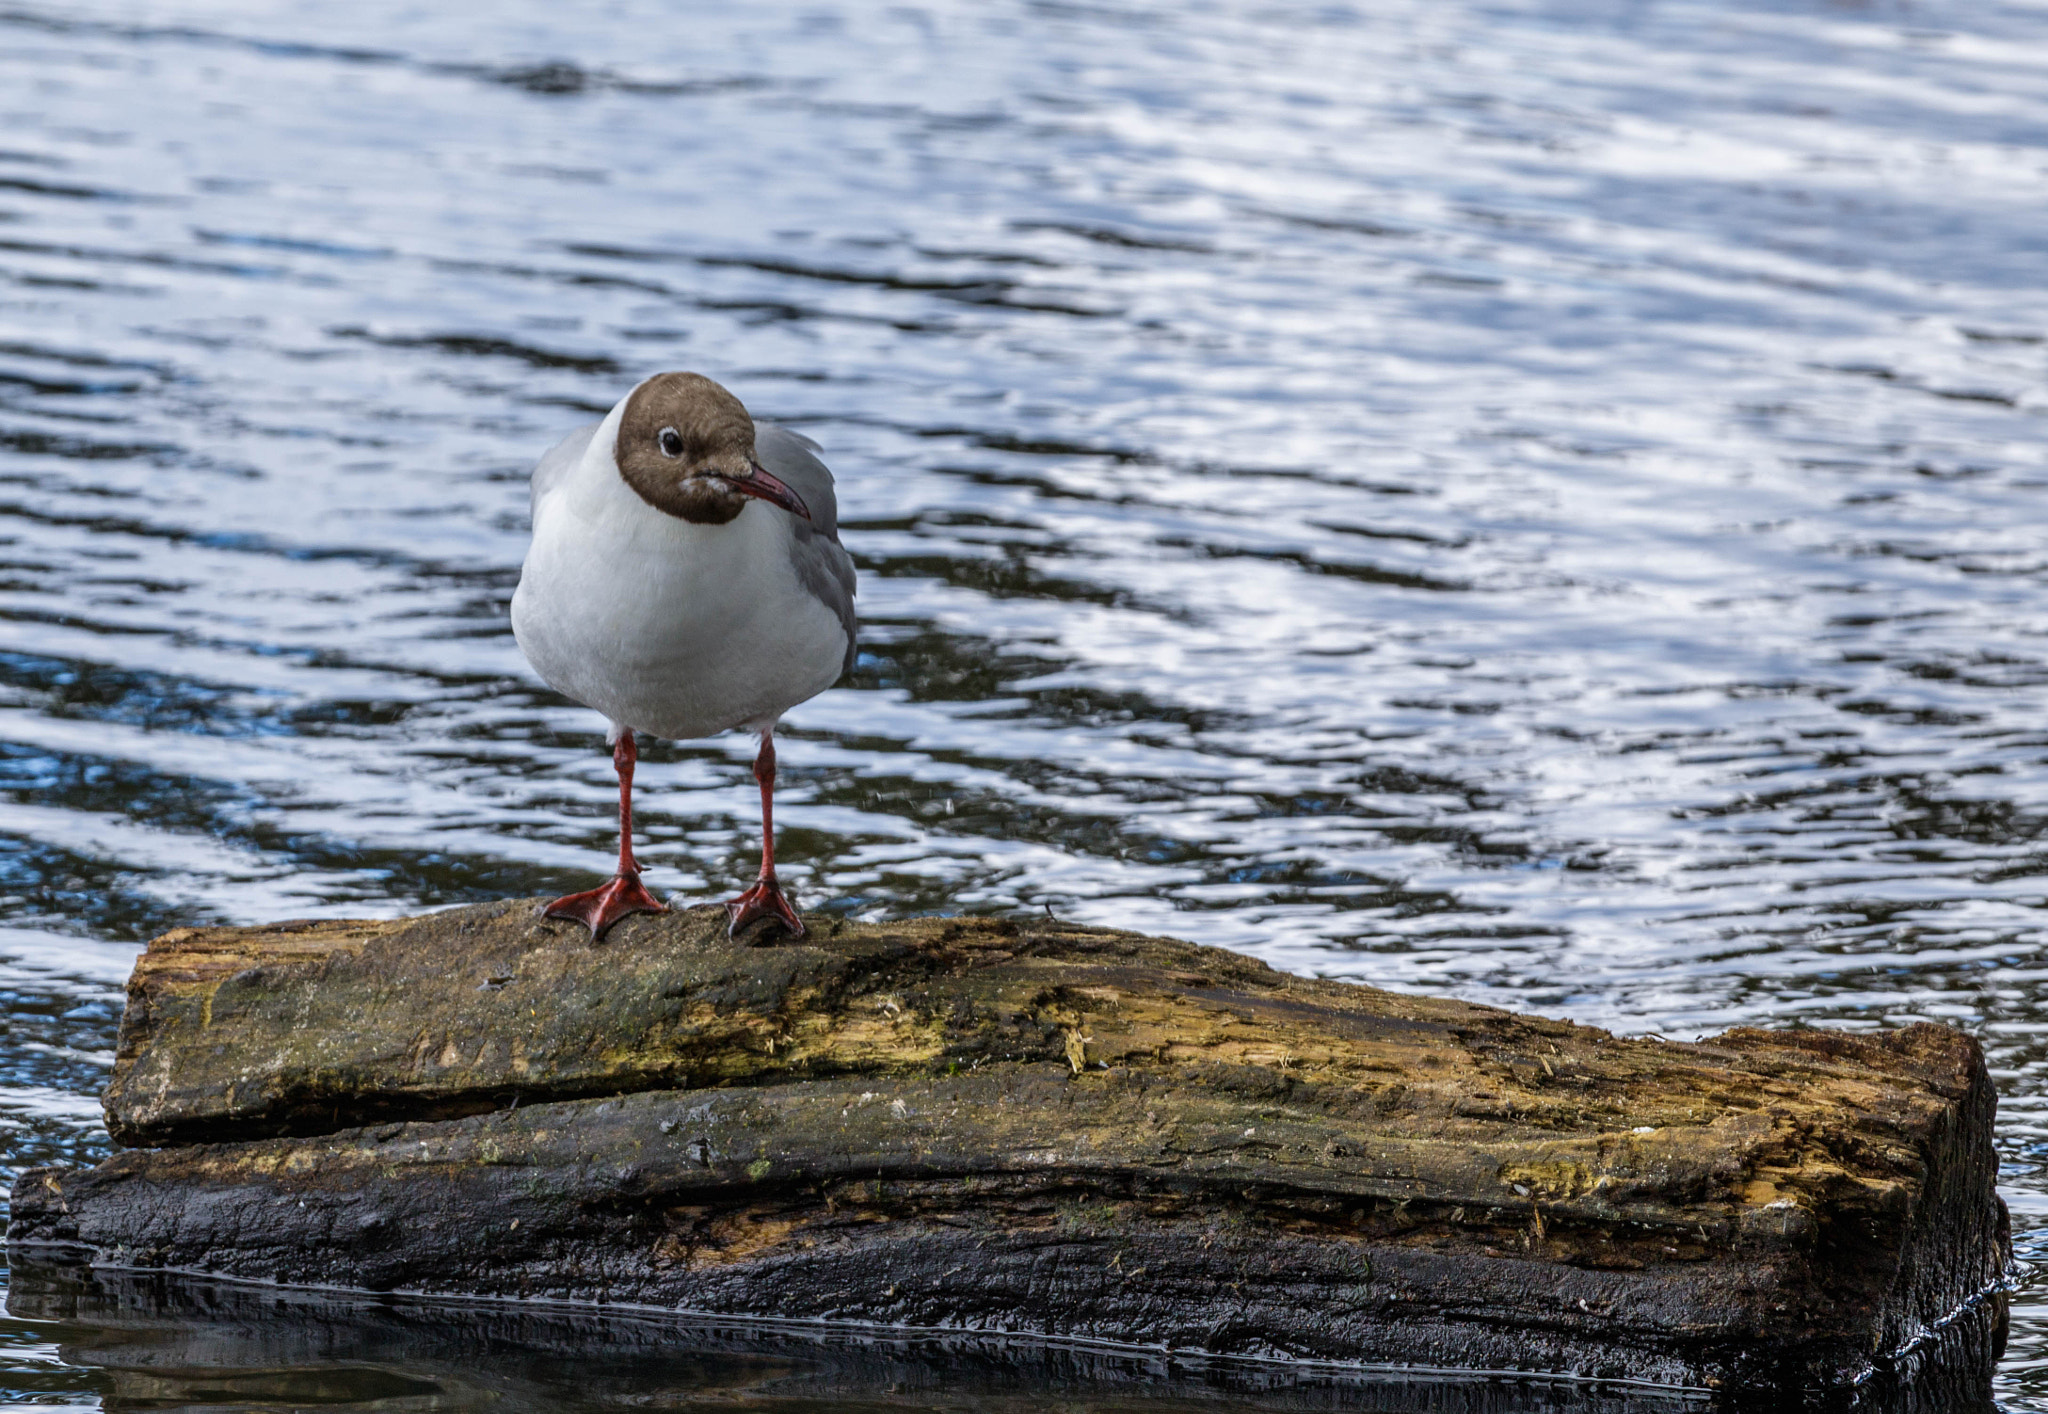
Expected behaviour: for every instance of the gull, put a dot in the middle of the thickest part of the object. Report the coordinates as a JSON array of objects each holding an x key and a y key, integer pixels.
[{"x": 685, "y": 578}]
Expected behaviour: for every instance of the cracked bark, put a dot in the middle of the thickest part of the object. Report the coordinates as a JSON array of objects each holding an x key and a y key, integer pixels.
[{"x": 1037, "y": 1128}]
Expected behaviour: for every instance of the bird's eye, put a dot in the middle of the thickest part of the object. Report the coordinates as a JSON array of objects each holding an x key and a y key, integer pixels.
[{"x": 671, "y": 442}]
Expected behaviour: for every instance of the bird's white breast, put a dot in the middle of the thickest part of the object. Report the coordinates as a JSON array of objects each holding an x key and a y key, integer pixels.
[{"x": 667, "y": 627}]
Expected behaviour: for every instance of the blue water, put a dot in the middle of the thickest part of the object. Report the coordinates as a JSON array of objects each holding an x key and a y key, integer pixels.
[{"x": 1541, "y": 502}]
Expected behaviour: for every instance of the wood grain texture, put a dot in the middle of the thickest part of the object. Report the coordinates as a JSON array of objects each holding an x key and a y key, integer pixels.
[{"x": 1033, "y": 1127}]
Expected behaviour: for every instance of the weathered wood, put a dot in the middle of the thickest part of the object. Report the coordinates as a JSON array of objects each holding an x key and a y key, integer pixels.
[
  {"x": 157, "y": 1341},
  {"x": 1031, "y": 1127}
]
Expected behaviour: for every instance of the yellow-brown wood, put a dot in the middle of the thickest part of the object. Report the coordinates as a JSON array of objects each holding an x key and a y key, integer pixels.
[{"x": 691, "y": 1122}]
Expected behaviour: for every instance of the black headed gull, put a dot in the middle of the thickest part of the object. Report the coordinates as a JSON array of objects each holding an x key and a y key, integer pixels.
[{"x": 685, "y": 577}]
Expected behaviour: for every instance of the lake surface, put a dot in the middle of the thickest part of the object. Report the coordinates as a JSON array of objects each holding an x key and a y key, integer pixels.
[{"x": 1540, "y": 501}]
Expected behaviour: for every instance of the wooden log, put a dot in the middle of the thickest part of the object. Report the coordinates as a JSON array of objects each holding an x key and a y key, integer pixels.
[
  {"x": 156, "y": 1341},
  {"x": 1038, "y": 1128}
]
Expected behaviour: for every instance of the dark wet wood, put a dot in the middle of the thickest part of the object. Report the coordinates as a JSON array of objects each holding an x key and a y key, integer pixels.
[{"x": 1035, "y": 1127}]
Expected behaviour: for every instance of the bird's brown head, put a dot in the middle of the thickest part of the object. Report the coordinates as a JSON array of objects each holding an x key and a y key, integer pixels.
[{"x": 686, "y": 447}]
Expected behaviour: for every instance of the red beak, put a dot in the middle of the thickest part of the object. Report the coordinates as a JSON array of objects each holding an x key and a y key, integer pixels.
[{"x": 772, "y": 489}]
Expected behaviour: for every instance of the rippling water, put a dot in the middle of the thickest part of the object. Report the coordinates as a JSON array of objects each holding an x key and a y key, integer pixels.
[{"x": 1537, "y": 500}]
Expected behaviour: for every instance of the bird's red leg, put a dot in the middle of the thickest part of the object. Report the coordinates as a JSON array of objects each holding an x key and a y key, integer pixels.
[
  {"x": 766, "y": 898},
  {"x": 621, "y": 894}
]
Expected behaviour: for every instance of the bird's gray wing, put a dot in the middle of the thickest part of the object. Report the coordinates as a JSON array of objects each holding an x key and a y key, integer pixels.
[
  {"x": 555, "y": 462},
  {"x": 793, "y": 457},
  {"x": 822, "y": 564}
]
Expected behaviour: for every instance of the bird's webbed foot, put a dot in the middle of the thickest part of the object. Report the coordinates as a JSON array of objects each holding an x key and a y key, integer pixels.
[
  {"x": 764, "y": 900},
  {"x": 599, "y": 908}
]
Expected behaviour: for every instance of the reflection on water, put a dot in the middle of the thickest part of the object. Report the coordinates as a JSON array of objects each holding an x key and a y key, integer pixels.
[
  {"x": 155, "y": 1343},
  {"x": 1535, "y": 500}
]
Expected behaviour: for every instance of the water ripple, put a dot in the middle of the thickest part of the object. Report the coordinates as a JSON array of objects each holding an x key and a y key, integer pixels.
[{"x": 1537, "y": 502}]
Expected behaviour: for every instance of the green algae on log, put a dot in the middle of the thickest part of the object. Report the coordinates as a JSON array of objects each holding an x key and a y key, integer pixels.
[{"x": 1036, "y": 1128}]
